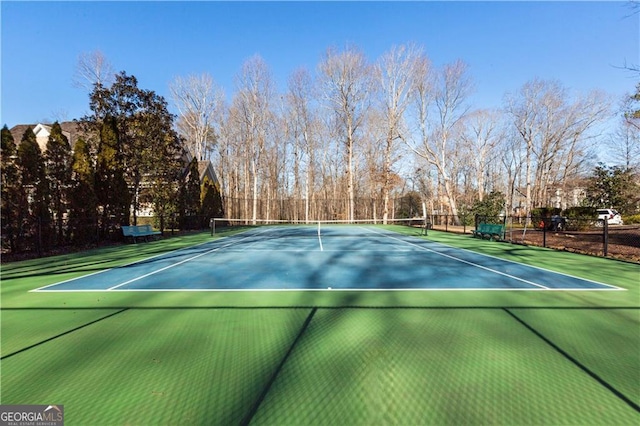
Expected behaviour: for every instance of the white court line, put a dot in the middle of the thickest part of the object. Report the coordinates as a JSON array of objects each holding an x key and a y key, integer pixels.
[
  {"x": 69, "y": 280},
  {"x": 120, "y": 266},
  {"x": 536, "y": 287},
  {"x": 44, "y": 288},
  {"x": 461, "y": 260},
  {"x": 611, "y": 287},
  {"x": 181, "y": 262},
  {"x": 241, "y": 290},
  {"x": 125, "y": 265},
  {"x": 319, "y": 238}
]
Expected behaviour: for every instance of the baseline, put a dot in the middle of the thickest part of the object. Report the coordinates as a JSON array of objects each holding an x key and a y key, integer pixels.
[
  {"x": 606, "y": 287},
  {"x": 161, "y": 256}
]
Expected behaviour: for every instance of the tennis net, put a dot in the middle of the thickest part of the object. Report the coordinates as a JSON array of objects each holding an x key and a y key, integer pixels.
[{"x": 302, "y": 228}]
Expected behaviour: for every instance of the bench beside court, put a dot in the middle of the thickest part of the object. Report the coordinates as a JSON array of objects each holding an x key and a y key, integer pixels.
[
  {"x": 138, "y": 231},
  {"x": 491, "y": 231}
]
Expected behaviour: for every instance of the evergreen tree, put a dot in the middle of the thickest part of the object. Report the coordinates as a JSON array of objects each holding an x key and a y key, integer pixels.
[
  {"x": 144, "y": 131},
  {"x": 110, "y": 185},
  {"x": 164, "y": 178},
  {"x": 14, "y": 207},
  {"x": 58, "y": 166},
  {"x": 34, "y": 180},
  {"x": 613, "y": 187},
  {"x": 83, "y": 203},
  {"x": 491, "y": 206},
  {"x": 190, "y": 196},
  {"x": 211, "y": 201}
]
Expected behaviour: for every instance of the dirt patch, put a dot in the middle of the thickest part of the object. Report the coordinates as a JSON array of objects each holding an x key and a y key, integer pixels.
[{"x": 623, "y": 242}]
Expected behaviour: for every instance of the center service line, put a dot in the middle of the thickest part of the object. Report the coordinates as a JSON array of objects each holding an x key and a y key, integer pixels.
[{"x": 319, "y": 238}]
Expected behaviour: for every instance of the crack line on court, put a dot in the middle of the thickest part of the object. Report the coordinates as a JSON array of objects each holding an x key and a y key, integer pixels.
[
  {"x": 577, "y": 363},
  {"x": 254, "y": 409},
  {"x": 63, "y": 334}
]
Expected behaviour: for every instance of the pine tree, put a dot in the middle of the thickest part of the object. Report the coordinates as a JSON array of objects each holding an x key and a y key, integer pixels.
[
  {"x": 83, "y": 217},
  {"x": 34, "y": 180},
  {"x": 211, "y": 201},
  {"x": 14, "y": 207},
  {"x": 190, "y": 196},
  {"x": 58, "y": 166}
]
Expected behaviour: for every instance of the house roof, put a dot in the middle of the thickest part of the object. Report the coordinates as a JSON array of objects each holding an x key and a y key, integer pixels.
[
  {"x": 73, "y": 130},
  {"x": 70, "y": 129},
  {"x": 18, "y": 131},
  {"x": 205, "y": 168}
]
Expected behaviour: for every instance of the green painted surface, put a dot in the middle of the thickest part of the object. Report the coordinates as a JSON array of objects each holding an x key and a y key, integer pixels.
[{"x": 445, "y": 357}]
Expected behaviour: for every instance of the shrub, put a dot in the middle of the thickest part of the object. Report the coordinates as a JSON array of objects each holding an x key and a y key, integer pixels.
[
  {"x": 545, "y": 212},
  {"x": 634, "y": 218},
  {"x": 580, "y": 212},
  {"x": 492, "y": 206},
  {"x": 580, "y": 218}
]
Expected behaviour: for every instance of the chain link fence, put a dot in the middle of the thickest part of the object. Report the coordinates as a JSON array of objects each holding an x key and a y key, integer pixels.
[
  {"x": 37, "y": 237},
  {"x": 581, "y": 235}
]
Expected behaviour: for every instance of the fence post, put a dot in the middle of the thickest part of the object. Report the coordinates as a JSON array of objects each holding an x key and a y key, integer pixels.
[
  {"x": 504, "y": 227},
  {"x": 605, "y": 237},
  {"x": 543, "y": 221}
]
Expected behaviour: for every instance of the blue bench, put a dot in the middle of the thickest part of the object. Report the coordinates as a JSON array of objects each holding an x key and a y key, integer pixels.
[
  {"x": 490, "y": 230},
  {"x": 139, "y": 231}
]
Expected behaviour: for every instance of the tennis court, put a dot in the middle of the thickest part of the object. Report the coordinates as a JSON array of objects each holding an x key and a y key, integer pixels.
[
  {"x": 323, "y": 257},
  {"x": 240, "y": 328}
]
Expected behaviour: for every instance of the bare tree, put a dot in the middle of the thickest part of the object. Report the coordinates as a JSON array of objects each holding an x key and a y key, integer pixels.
[
  {"x": 304, "y": 129},
  {"x": 511, "y": 158},
  {"x": 199, "y": 102},
  {"x": 631, "y": 109},
  {"x": 440, "y": 99},
  {"x": 395, "y": 72},
  {"x": 346, "y": 89},
  {"x": 482, "y": 133},
  {"x": 624, "y": 145},
  {"x": 253, "y": 105},
  {"x": 93, "y": 68},
  {"x": 555, "y": 128}
]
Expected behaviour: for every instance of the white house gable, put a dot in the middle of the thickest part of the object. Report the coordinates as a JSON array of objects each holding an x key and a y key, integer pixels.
[{"x": 42, "y": 133}]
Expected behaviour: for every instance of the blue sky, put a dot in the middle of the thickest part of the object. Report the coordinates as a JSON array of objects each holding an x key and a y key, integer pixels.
[{"x": 505, "y": 43}]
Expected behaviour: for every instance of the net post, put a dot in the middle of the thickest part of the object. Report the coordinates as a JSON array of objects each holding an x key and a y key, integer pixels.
[
  {"x": 212, "y": 225},
  {"x": 424, "y": 216}
]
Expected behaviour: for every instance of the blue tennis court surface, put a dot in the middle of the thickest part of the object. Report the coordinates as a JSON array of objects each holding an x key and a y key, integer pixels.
[{"x": 307, "y": 258}]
